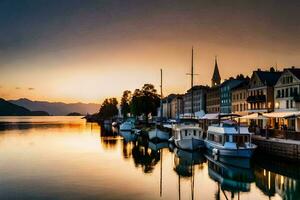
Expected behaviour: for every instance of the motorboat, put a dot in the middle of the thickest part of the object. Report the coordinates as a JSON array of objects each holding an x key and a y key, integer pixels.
[
  {"x": 189, "y": 137},
  {"x": 157, "y": 134},
  {"x": 229, "y": 139},
  {"x": 127, "y": 126}
]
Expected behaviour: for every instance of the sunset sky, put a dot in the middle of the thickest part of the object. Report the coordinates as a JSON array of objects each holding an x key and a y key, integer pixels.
[{"x": 85, "y": 51}]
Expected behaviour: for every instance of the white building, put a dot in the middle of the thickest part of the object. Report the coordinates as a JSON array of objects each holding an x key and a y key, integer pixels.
[{"x": 286, "y": 95}]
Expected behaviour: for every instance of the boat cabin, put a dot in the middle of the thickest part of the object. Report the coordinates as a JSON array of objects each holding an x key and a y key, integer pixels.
[
  {"x": 229, "y": 135},
  {"x": 188, "y": 132}
]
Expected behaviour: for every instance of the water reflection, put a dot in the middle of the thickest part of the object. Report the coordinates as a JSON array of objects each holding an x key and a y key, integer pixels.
[
  {"x": 229, "y": 177},
  {"x": 93, "y": 161}
]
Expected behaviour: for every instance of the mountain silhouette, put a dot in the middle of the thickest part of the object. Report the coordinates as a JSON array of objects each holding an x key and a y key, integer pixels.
[
  {"x": 57, "y": 108},
  {"x": 10, "y": 109}
]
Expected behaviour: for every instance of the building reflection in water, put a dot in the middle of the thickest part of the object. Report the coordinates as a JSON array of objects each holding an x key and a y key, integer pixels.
[{"x": 276, "y": 177}]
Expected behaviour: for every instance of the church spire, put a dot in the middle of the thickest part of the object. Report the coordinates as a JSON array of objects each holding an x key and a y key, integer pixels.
[{"x": 216, "y": 78}]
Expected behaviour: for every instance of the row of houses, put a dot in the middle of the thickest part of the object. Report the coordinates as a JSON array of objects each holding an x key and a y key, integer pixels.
[{"x": 264, "y": 92}]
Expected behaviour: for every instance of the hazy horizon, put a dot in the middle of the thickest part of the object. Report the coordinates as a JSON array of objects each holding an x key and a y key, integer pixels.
[{"x": 69, "y": 51}]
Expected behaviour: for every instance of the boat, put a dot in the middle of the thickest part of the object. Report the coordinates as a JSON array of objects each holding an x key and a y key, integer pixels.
[
  {"x": 188, "y": 137},
  {"x": 128, "y": 136},
  {"x": 157, "y": 134},
  {"x": 229, "y": 139},
  {"x": 128, "y": 125},
  {"x": 158, "y": 146}
]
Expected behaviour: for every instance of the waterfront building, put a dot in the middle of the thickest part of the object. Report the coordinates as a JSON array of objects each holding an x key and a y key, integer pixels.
[
  {"x": 199, "y": 99},
  {"x": 239, "y": 96},
  {"x": 177, "y": 106},
  {"x": 225, "y": 94},
  {"x": 261, "y": 90},
  {"x": 213, "y": 93},
  {"x": 287, "y": 90},
  {"x": 287, "y": 99},
  {"x": 213, "y": 100},
  {"x": 166, "y": 104}
]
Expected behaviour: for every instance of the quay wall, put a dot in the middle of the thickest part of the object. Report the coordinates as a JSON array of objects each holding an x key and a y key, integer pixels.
[{"x": 287, "y": 149}]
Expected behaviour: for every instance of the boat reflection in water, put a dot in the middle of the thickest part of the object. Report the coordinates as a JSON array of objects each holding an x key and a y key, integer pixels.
[
  {"x": 234, "y": 179},
  {"x": 184, "y": 166},
  {"x": 109, "y": 137},
  {"x": 128, "y": 136}
]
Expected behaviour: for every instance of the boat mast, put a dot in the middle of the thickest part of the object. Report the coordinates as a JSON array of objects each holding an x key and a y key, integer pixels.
[
  {"x": 192, "y": 82},
  {"x": 161, "y": 97}
]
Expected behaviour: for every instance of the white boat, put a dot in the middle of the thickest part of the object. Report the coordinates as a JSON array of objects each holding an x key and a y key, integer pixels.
[
  {"x": 157, "y": 134},
  {"x": 189, "y": 137},
  {"x": 229, "y": 139},
  {"x": 127, "y": 126}
]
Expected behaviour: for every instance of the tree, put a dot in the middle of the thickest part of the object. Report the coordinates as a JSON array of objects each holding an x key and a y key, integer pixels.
[
  {"x": 108, "y": 109},
  {"x": 145, "y": 101},
  {"x": 125, "y": 101}
]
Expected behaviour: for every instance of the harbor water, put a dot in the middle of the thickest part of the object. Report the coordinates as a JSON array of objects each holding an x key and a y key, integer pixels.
[{"x": 67, "y": 158}]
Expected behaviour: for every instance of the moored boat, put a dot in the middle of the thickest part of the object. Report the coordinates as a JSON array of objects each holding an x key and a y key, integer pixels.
[
  {"x": 229, "y": 139},
  {"x": 127, "y": 125},
  {"x": 157, "y": 134},
  {"x": 189, "y": 137}
]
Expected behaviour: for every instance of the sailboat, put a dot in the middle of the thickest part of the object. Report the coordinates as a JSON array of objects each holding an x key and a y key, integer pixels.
[
  {"x": 158, "y": 134},
  {"x": 189, "y": 137}
]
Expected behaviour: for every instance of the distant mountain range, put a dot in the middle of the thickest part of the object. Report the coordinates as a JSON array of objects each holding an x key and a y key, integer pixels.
[
  {"x": 10, "y": 109},
  {"x": 57, "y": 108}
]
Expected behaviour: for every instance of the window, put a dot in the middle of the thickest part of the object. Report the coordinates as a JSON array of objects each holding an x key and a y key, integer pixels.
[
  {"x": 282, "y": 93},
  {"x": 287, "y": 104},
  {"x": 185, "y": 132},
  {"x": 286, "y": 92},
  {"x": 295, "y": 91},
  {"x": 194, "y": 132},
  {"x": 291, "y": 91},
  {"x": 278, "y": 93}
]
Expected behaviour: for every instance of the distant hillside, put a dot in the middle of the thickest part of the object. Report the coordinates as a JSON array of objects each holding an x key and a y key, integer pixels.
[
  {"x": 57, "y": 108},
  {"x": 10, "y": 109},
  {"x": 74, "y": 114}
]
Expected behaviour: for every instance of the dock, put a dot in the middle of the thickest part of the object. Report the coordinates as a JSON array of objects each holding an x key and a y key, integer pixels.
[{"x": 287, "y": 149}]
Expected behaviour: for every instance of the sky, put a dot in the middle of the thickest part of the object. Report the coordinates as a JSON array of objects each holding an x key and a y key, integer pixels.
[{"x": 71, "y": 51}]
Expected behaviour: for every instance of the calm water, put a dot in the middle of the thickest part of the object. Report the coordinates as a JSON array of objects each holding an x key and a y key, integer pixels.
[{"x": 66, "y": 158}]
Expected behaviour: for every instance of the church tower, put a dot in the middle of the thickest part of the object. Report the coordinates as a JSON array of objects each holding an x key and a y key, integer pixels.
[{"x": 216, "y": 78}]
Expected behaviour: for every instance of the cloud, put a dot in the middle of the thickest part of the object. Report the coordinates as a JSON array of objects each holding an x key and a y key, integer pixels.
[
  {"x": 18, "y": 88},
  {"x": 30, "y": 88}
]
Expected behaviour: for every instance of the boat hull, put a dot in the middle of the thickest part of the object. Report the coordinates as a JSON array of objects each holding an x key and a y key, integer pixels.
[
  {"x": 221, "y": 151},
  {"x": 158, "y": 135},
  {"x": 189, "y": 144}
]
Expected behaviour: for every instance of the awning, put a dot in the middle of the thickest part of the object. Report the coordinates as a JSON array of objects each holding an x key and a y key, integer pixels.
[
  {"x": 254, "y": 116},
  {"x": 288, "y": 114},
  {"x": 211, "y": 116}
]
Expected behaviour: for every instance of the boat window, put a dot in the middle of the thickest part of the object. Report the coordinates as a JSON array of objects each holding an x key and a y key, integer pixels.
[
  {"x": 194, "y": 132},
  {"x": 227, "y": 138},
  {"x": 185, "y": 132}
]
